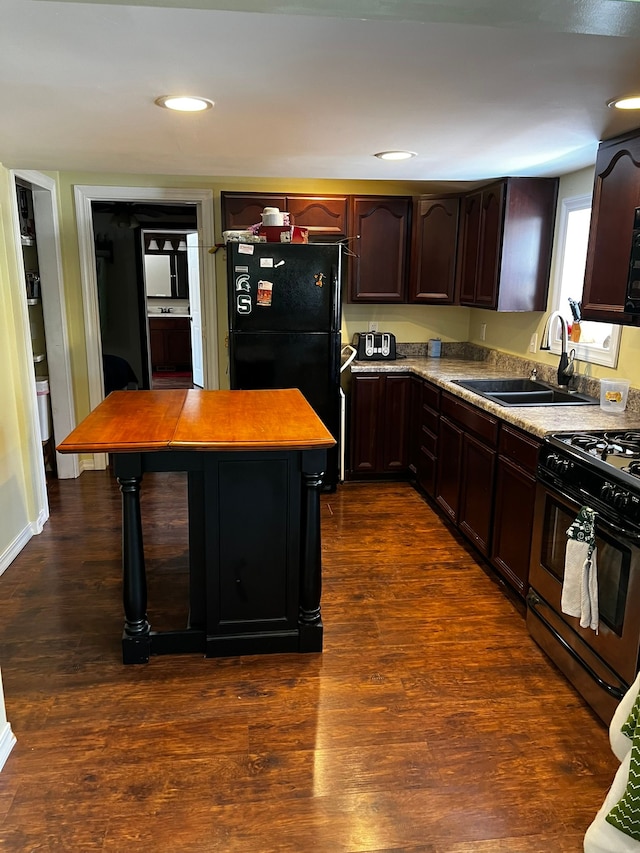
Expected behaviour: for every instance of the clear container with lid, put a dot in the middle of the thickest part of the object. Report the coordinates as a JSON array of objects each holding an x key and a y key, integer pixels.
[{"x": 613, "y": 394}]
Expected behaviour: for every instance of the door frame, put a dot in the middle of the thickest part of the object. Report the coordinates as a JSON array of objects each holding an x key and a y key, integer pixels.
[
  {"x": 203, "y": 199},
  {"x": 47, "y": 224}
]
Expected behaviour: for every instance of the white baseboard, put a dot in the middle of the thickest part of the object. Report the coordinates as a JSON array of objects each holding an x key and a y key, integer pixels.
[
  {"x": 87, "y": 463},
  {"x": 7, "y": 742},
  {"x": 10, "y": 553}
]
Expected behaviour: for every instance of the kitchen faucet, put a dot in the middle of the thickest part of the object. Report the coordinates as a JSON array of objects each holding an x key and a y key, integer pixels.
[{"x": 565, "y": 367}]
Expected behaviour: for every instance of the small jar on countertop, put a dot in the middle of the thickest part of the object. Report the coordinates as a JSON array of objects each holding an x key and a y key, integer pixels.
[{"x": 434, "y": 347}]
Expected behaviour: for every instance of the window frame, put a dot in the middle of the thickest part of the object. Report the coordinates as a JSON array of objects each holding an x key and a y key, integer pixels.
[{"x": 587, "y": 353}]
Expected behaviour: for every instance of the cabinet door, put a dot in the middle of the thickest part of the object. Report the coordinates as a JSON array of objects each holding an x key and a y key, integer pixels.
[
  {"x": 366, "y": 402},
  {"x": 476, "y": 496},
  {"x": 379, "y": 228},
  {"x": 526, "y": 242},
  {"x": 252, "y": 545},
  {"x": 470, "y": 246},
  {"x": 325, "y": 217},
  {"x": 178, "y": 344},
  {"x": 449, "y": 467},
  {"x": 615, "y": 197},
  {"x": 434, "y": 246},
  {"x": 505, "y": 253},
  {"x": 415, "y": 423},
  {"x": 513, "y": 524},
  {"x": 492, "y": 218},
  {"x": 157, "y": 343},
  {"x": 395, "y": 444},
  {"x": 241, "y": 210}
]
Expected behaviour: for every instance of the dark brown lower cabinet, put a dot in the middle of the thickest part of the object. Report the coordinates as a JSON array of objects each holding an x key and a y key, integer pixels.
[
  {"x": 379, "y": 424},
  {"x": 449, "y": 468},
  {"x": 426, "y": 424},
  {"x": 476, "y": 492},
  {"x": 514, "y": 502},
  {"x": 170, "y": 342},
  {"x": 480, "y": 471},
  {"x": 467, "y": 445}
]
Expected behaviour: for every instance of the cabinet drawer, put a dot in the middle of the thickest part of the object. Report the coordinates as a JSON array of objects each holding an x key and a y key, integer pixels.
[
  {"x": 519, "y": 448},
  {"x": 431, "y": 396},
  {"x": 472, "y": 419},
  {"x": 428, "y": 441},
  {"x": 430, "y": 420},
  {"x": 427, "y": 472}
]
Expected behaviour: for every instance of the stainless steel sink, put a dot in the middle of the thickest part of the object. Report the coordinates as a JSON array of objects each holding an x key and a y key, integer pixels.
[{"x": 524, "y": 392}]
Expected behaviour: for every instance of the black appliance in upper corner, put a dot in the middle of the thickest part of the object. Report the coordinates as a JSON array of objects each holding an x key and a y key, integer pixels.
[{"x": 284, "y": 325}]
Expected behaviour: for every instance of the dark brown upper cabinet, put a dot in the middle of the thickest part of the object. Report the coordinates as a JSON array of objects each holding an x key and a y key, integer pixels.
[
  {"x": 242, "y": 210},
  {"x": 379, "y": 230},
  {"x": 616, "y": 194},
  {"x": 324, "y": 216},
  {"x": 434, "y": 244},
  {"x": 506, "y": 242}
]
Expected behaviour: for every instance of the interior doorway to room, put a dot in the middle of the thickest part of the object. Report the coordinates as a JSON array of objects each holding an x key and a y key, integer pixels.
[
  {"x": 39, "y": 256},
  {"x": 148, "y": 292},
  {"x": 202, "y": 200}
]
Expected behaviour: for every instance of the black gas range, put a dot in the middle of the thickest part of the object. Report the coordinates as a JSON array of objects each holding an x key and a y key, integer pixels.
[{"x": 601, "y": 469}]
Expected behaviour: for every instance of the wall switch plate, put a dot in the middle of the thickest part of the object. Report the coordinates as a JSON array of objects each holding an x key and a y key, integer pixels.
[
  {"x": 373, "y": 326},
  {"x": 483, "y": 332},
  {"x": 533, "y": 343}
]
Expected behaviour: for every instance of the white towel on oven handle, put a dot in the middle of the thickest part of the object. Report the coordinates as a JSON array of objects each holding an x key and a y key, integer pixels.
[{"x": 580, "y": 586}]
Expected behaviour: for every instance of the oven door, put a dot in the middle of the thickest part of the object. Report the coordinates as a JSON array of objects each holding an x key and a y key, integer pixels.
[{"x": 601, "y": 666}]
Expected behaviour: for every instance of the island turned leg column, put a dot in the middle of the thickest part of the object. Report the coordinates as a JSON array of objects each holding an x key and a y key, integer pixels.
[
  {"x": 136, "y": 639},
  {"x": 310, "y": 621}
]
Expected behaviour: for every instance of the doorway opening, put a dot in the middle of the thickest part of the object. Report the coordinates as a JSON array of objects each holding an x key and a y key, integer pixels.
[
  {"x": 37, "y": 230},
  {"x": 148, "y": 286},
  {"x": 202, "y": 200}
]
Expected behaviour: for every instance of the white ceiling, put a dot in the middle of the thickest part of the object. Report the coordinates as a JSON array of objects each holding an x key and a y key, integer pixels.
[{"x": 479, "y": 88}]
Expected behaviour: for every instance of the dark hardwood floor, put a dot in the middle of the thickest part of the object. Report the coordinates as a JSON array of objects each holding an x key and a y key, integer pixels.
[
  {"x": 431, "y": 722},
  {"x": 162, "y": 381}
]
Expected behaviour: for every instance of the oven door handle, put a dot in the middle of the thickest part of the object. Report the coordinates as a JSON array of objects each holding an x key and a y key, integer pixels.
[
  {"x": 533, "y": 601},
  {"x": 616, "y": 529},
  {"x": 586, "y": 500}
]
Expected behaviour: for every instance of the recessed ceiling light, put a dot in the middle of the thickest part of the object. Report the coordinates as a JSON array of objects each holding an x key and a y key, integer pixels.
[
  {"x": 395, "y": 155},
  {"x": 184, "y": 103},
  {"x": 628, "y": 102}
]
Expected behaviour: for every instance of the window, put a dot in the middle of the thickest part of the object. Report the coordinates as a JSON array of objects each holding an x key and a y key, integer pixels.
[{"x": 599, "y": 342}]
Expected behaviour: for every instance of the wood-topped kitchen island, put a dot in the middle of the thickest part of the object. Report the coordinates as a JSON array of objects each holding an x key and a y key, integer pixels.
[{"x": 254, "y": 462}]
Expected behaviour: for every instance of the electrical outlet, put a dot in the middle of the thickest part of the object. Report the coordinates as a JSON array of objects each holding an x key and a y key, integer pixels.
[
  {"x": 483, "y": 332},
  {"x": 373, "y": 326},
  {"x": 533, "y": 343}
]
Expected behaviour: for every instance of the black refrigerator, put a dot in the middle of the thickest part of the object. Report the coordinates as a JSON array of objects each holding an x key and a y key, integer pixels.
[{"x": 284, "y": 325}]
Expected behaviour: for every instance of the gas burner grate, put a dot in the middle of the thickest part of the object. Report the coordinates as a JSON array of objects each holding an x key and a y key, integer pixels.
[
  {"x": 632, "y": 468},
  {"x": 626, "y": 444}
]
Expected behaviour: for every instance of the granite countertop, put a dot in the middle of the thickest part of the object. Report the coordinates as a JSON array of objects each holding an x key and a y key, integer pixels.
[{"x": 537, "y": 420}]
